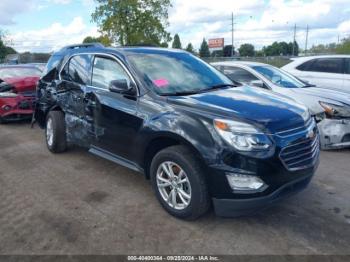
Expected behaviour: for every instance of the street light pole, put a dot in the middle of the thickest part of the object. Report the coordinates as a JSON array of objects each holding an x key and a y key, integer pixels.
[
  {"x": 233, "y": 35},
  {"x": 307, "y": 36},
  {"x": 295, "y": 32}
]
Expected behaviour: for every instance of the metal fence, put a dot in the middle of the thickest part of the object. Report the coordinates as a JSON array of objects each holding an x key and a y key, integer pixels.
[{"x": 277, "y": 61}]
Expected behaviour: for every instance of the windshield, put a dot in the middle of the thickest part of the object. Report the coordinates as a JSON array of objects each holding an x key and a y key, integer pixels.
[
  {"x": 19, "y": 72},
  {"x": 278, "y": 77},
  {"x": 171, "y": 73}
]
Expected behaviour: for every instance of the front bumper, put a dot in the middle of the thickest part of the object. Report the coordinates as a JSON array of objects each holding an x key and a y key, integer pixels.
[
  {"x": 334, "y": 133},
  {"x": 241, "y": 207}
]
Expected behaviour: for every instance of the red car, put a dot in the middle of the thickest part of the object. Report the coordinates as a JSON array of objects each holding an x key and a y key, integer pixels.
[{"x": 17, "y": 91}]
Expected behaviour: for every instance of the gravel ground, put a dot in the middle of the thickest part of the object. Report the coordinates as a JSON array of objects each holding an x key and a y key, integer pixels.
[{"x": 76, "y": 203}]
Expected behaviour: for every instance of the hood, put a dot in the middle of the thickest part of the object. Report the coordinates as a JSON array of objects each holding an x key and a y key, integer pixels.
[
  {"x": 263, "y": 108},
  {"x": 324, "y": 94},
  {"x": 23, "y": 84}
]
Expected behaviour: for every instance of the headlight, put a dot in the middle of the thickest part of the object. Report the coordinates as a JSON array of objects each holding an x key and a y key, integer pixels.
[
  {"x": 242, "y": 136},
  {"x": 335, "y": 111}
]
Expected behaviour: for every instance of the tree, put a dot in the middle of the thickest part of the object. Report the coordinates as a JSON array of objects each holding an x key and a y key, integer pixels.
[
  {"x": 133, "y": 22},
  {"x": 281, "y": 48},
  {"x": 218, "y": 53},
  {"x": 228, "y": 51},
  {"x": 204, "y": 50},
  {"x": 344, "y": 47},
  {"x": 177, "y": 42},
  {"x": 101, "y": 39},
  {"x": 190, "y": 48},
  {"x": 246, "y": 50},
  {"x": 5, "y": 50}
]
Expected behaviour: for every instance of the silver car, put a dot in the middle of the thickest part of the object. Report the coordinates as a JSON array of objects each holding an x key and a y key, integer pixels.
[{"x": 330, "y": 108}]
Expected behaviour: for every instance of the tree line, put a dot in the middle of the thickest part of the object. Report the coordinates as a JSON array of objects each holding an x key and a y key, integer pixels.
[{"x": 343, "y": 47}]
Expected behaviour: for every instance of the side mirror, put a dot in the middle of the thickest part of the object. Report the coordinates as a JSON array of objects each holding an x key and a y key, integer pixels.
[
  {"x": 257, "y": 83},
  {"x": 121, "y": 86}
]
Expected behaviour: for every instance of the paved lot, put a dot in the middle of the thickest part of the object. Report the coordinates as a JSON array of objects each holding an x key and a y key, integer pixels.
[{"x": 76, "y": 203}]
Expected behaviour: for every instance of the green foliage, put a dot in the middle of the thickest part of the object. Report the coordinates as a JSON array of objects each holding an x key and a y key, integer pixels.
[
  {"x": 323, "y": 49},
  {"x": 246, "y": 50},
  {"x": 281, "y": 48},
  {"x": 204, "y": 50},
  {"x": 344, "y": 47},
  {"x": 101, "y": 39},
  {"x": 5, "y": 50},
  {"x": 133, "y": 22},
  {"x": 177, "y": 42},
  {"x": 217, "y": 53},
  {"x": 228, "y": 51},
  {"x": 332, "y": 48},
  {"x": 190, "y": 48}
]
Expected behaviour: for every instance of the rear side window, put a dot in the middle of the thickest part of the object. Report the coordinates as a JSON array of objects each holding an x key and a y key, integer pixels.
[
  {"x": 305, "y": 66},
  {"x": 78, "y": 69},
  {"x": 106, "y": 70},
  {"x": 325, "y": 65},
  {"x": 238, "y": 74},
  {"x": 347, "y": 66}
]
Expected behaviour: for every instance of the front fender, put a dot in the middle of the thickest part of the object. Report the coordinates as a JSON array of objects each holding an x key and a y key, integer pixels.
[{"x": 188, "y": 130}]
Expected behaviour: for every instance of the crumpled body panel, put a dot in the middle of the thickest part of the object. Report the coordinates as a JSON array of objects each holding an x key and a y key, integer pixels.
[{"x": 335, "y": 133}]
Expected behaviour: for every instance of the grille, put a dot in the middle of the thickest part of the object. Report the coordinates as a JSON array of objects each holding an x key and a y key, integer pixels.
[{"x": 301, "y": 153}]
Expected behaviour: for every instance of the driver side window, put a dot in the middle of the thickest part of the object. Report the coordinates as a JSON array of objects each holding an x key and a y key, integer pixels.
[{"x": 106, "y": 70}]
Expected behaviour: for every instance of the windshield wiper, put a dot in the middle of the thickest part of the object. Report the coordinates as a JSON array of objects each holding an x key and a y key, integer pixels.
[
  {"x": 185, "y": 93},
  {"x": 309, "y": 85}
]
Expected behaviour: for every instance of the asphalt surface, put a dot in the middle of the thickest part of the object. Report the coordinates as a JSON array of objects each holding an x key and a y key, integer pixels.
[{"x": 76, "y": 203}]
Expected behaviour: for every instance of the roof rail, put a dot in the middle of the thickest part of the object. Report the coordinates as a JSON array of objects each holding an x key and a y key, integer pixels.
[{"x": 77, "y": 46}]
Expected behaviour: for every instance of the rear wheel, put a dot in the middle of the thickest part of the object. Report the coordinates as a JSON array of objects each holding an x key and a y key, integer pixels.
[
  {"x": 179, "y": 183},
  {"x": 56, "y": 132}
]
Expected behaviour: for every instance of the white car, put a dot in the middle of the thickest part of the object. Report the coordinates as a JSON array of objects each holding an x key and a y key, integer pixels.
[
  {"x": 331, "y": 71},
  {"x": 330, "y": 108}
]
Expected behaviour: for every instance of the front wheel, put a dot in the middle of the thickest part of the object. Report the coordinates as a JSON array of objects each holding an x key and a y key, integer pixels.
[
  {"x": 56, "y": 132},
  {"x": 179, "y": 183}
]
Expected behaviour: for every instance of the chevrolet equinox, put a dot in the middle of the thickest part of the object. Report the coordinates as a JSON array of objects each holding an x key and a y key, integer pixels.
[{"x": 199, "y": 138}]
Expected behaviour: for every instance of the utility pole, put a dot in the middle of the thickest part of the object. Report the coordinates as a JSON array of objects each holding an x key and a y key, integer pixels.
[
  {"x": 295, "y": 32},
  {"x": 233, "y": 35},
  {"x": 307, "y": 36}
]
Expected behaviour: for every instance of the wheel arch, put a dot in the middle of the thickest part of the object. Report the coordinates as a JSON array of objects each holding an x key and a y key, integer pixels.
[{"x": 162, "y": 141}]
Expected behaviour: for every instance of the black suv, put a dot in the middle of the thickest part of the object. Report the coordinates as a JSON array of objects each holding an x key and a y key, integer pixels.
[{"x": 172, "y": 117}]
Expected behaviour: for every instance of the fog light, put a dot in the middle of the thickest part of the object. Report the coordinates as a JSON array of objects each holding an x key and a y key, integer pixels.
[
  {"x": 245, "y": 182},
  {"x": 6, "y": 108}
]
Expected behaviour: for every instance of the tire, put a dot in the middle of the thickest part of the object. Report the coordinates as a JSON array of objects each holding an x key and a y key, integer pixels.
[
  {"x": 180, "y": 158},
  {"x": 1, "y": 121},
  {"x": 55, "y": 132}
]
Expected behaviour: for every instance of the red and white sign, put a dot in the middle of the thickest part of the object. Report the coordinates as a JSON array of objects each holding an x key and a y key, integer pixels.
[{"x": 216, "y": 42}]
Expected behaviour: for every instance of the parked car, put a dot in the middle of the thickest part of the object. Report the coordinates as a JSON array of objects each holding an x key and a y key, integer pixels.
[
  {"x": 181, "y": 123},
  {"x": 331, "y": 71},
  {"x": 17, "y": 91},
  {"x": 331, "y": 109},
  {"x": 41, "y": 66}
]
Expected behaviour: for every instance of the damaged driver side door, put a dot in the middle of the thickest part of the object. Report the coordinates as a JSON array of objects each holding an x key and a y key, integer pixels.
[{"x": 73, "y": 96}]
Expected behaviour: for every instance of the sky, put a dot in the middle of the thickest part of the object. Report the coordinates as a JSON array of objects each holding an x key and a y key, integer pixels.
[{"x": 47, "y": 25}]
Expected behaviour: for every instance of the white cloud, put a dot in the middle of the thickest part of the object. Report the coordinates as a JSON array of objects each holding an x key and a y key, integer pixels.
[
  {"x": 52, "y": 37},
  {"x": 9, "y": 9},
  {"x": 258, "y": 22}
]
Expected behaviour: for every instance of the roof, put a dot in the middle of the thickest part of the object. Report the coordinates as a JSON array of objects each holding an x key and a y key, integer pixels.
[
  {"x": 246, "y": 63},
  {"x": 121, "y": 50},
  {"x": 320, "y": 56}
]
